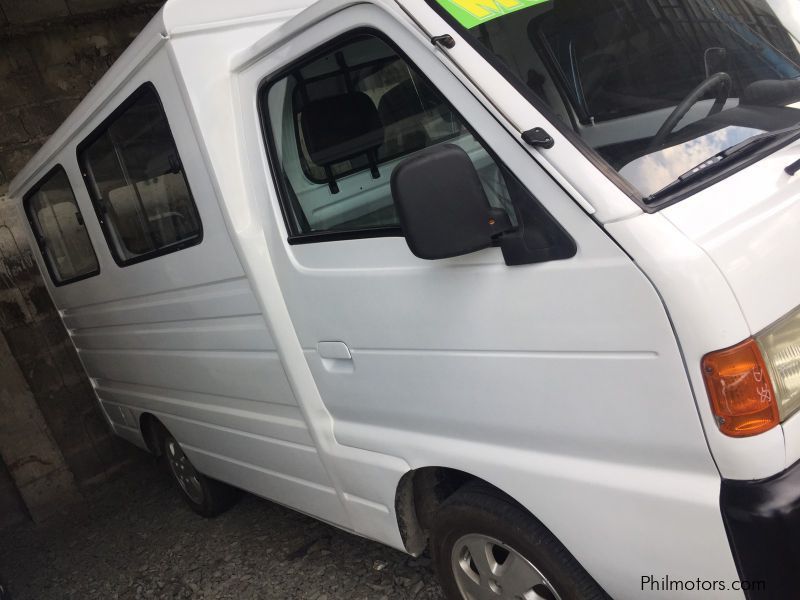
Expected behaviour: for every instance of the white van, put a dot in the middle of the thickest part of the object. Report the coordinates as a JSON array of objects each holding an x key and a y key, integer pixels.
[{"x": 511, "y": 280}]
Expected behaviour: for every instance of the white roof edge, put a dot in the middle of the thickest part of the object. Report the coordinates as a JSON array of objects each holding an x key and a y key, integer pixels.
[
  {"x": 316, "y": 10},
  {"x": 189, "y": 15},
  {"x": 175, "y": 17}
]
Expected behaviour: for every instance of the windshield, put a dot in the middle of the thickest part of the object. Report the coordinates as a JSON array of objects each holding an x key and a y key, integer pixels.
[{"x": 655, "y": 87}]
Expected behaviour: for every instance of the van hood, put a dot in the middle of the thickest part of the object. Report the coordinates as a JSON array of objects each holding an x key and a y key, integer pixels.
[{"x": 749, "y": 224}]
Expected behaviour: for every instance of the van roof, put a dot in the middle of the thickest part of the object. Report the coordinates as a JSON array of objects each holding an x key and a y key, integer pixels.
[{"x": 176, "y": 17}]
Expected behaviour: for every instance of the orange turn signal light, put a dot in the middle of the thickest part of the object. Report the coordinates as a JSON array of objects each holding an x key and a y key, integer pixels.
[{"x": 740, "y": 389}]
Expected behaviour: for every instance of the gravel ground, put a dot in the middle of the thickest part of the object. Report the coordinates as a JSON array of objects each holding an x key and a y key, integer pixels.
[{"x": 135, "y": 538}]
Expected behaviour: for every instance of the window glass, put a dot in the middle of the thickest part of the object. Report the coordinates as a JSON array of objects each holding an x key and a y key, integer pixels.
[
  {"x": 60, "y": 230},
  {"x": 659, "y": 89},
  {"x": 137, "y": 182},
  {"x": 343, "y": 120},
  {"x": 632, "y": 57}
]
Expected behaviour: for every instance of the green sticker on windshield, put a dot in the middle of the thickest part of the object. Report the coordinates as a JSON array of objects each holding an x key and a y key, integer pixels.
[{"x": 471, "y": 13}]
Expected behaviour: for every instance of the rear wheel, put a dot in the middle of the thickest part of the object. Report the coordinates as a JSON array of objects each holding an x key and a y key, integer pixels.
[
  {"x": 205, "y": 496},
  {"x": 487, "y": 547}
]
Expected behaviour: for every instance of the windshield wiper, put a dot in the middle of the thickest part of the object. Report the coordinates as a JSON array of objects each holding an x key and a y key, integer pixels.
[{"x": 723, "y": 159}]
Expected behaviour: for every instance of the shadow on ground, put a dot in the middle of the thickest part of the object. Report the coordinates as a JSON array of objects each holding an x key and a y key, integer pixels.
[{"x": 136, "y": 539}]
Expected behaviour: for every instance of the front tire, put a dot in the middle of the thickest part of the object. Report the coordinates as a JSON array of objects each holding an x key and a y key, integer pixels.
[
  {"x": 485, "y": 546},
  {"x": 205, "y": 496}
]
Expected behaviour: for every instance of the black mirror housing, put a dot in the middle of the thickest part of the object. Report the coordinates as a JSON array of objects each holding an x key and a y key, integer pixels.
[{"x": 440, "y": 202}]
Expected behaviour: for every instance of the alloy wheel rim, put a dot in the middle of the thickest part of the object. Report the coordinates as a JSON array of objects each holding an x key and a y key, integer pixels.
[
  {"x": 183, "y": 471},
  {"x": 487, "y": 569}
]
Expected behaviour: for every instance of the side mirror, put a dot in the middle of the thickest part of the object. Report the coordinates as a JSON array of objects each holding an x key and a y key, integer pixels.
[{"x": 442, "y": 207}]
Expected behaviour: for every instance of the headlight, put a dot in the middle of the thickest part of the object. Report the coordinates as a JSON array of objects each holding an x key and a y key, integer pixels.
[
  {"x": 755, "y": 386},
  {"x": 780, "y": 345}
]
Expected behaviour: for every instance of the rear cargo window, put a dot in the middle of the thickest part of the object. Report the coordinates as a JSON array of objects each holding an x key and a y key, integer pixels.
[
  {"x": 59, "y": 228},
  {"x": 137, "y": 183}
]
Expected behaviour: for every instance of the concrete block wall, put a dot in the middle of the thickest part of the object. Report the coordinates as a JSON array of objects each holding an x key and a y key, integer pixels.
[
  {"x": 30, "y": 454},
  {"x": 51, "y": 54},
  {"x": 12, "y": 508}
]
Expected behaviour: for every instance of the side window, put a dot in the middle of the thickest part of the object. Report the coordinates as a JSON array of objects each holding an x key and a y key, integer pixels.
[
  {"x": 137, "y": 183},
  {"x": 341, "y": 121},
  {"x": 60, "y": 232}
]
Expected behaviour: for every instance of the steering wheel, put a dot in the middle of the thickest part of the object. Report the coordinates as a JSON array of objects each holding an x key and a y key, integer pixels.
[{"x": 721, "y": 81}]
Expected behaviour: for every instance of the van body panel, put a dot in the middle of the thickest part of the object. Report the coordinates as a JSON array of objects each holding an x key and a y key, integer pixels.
[
  {"x": 189, "y": 16},
  {"x": 706, "y": 317},
  {"x": 365, "y": 481},
  {"x": 279, "y": 422},
  {"x": 434, "y": 354},
  {"x": 747, "y": 224},
  {"x": 183, "y": 336}
]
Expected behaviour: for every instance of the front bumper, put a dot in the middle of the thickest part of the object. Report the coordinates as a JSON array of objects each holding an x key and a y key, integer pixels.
[{"x": 762, "y": 519}]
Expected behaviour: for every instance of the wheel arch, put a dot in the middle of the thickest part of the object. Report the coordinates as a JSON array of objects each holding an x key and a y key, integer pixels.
[
  {"x": 420, "y": 493},
  {"x": 152, "y": 430}
]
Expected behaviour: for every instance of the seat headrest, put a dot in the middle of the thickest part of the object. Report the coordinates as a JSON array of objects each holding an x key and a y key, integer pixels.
[
  {"x": 341, "y": 127},
  {"x": 406, "y": 100}
]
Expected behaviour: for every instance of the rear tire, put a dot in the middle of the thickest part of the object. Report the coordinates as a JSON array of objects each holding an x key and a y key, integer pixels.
[
  {"x": 485, "y": 545},
  {"x": 207, "y": 497}
]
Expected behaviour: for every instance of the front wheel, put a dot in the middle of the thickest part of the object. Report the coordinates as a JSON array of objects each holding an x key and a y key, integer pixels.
[
  {"x": 205, "y": 496},
  {"x": 487, "y": 547}
]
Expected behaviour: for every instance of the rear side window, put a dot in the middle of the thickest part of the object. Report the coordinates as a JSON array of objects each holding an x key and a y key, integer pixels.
[
  {"x": 59, "y": 228},
  {"x": 137, "y": 183}
]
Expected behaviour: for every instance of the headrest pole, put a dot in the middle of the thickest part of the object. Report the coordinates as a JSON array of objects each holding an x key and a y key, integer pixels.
[
  {"x": 331, "y": 180},
  {"x": 372, "y": 157},
  {"x": 301, "y": 83}
]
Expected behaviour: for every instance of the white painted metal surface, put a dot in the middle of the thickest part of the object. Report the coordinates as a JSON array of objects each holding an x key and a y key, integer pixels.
[
  {"x": 747, "y": 225},
  {"x": 318, "y": 375}
]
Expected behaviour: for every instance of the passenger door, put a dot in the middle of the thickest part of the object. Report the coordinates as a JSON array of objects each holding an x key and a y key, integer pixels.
[
  {"x": 468, "y": 347},
  {"x": 503, "y": 372}
]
